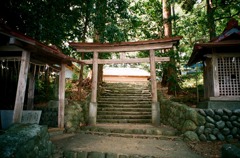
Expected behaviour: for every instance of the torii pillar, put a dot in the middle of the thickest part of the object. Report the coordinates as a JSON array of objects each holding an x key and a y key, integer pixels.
[
  {"x": 155, "y": 103},
  {"x": 93, "y": 104}
]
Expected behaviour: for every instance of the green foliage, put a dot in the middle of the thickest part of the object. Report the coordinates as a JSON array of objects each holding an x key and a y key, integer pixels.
[
  {"x": 147, "y": 19},
  {"x": 50, "y": 21},
  {"x": 192, "y": 80},
  {"x": 45, "y": 91},
  {"x": 75, "y": 77}
]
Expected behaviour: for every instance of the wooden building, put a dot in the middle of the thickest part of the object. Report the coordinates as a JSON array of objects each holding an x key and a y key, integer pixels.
[
  {"x": 111, "y": 74},
  {"x": 21, "y": 59},
  {"x": 221, "y": 62}
]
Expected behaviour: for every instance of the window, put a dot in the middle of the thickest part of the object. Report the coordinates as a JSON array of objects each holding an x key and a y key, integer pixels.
[{"x": 229, "y": 76}]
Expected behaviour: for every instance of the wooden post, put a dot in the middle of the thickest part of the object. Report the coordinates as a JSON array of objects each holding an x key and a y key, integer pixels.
[
  {"x": 81, "y": 78},
  {"x": 215, "y": 80},
  {"x": 21, "y": 88},
  {"x": 31, "y": 88},
  {"x": 61, "y": 96},
  {"x": 153, "y": 76},
  {"x": 93, "y": 103},
  {"x": 155, "y": 103}
]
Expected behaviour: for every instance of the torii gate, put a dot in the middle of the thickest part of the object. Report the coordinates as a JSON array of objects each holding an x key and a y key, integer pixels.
[{"x": 151, "y": 45}]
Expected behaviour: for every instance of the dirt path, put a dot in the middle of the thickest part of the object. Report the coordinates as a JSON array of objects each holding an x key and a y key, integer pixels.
[{"x": 118, "y": 145}]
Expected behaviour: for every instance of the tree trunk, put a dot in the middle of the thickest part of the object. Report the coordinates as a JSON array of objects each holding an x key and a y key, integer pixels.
[
  {"x": 167, "y": 33},
  {"x": 87, "y": 13},
  {"x": 100, "y": 73},
  {"x": 99, "y": 31},
  {"x": 210, "y": 19},
  {"x": 166, "y": 15},
  {"x": 169, "y": 76}
]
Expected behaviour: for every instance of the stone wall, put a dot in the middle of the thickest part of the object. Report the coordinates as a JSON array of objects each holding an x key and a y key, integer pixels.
[
  {"x": 25, "y": 140},
  {"x": 221, "y": 124},
  {"x": 200, "y": 124},
  {"x": 184, "y": 119},
  {"x": 49, "y": 114},
  {"x": 76, "y": 115}
]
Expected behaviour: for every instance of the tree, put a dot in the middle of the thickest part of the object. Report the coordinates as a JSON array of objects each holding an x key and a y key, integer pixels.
[
  {"x": 146, "y": 20},
  {"x": 217, "y": 13},
  {"x": 50, "y": 21},
  {"x": 170, "y": 73}
]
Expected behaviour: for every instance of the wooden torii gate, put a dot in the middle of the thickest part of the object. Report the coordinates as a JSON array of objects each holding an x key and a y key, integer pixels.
[{"x": 151, "y": 46}]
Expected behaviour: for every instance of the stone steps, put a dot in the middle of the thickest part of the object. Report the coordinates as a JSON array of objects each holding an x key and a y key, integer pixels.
[
  {"x": 124, "y": 103},
  {"x": 125, "y": 85},
  {"x": 125, "y": 109},
  {"x": 135, "y": 99},
  {"x": 141, "y": 136},
  {"x": 124, "y": 121},
  {"x": 124, "y": 113},
  {"x": 116, "y": 105},
  {"x": 127, "y": 91},
  {"x": 120, "y": 95},
  {"x": 55, "y": 131},
  {"x": 124, "y": 116},
  {"x": 131, "y": 130}
]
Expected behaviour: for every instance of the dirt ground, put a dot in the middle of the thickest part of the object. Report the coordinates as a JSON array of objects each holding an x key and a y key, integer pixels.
[
  {"x": 167, "y": 148},
  {"x": 207, "y": 149},
  {"x": 120, "y": 145},
  {"x": 210, "y": 149}
]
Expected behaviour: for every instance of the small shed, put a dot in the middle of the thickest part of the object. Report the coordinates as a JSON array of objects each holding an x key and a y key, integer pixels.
[
  {"x": 21, "y": 59},
  {"x": 125, "y": 75},
  {"x": 221, "y": 67}
]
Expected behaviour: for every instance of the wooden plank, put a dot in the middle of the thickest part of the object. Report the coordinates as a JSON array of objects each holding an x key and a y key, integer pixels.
[
  {"x": 94, "y": 77},
  {"x": 119, "y": 61},
  {"x": 11, "y": 58},
  {"x": 215, "y": 76},
  {"x": 31, "y": 88},
  {"x": 153, "y": 76},
  {"x": 11, "y": 48},
  {"x": 21, "y": 88},
  {"x": 61, "y": 96},
  {"x": 225, "y": 98},
  {"x": 125, "y": 48}
]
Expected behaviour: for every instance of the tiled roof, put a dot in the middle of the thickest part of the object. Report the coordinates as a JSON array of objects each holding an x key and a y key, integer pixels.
[
  {"x": 35, "y": 45},
  {"x": 230, "y": 39}
]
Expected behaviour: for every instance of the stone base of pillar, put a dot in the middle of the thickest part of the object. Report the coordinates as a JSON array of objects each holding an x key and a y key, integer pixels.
[
  {"x": 155, "y": 113},
  {"x": 92, "y": 113}
]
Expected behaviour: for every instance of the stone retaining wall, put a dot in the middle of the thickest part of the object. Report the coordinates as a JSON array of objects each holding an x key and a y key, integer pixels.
[
  {"x": 76, "y": 115},
  {"x": 49, "y": 115},
  {"x": 25, "y": 140},
  {"x": 184, "y": 119},
  {"x": 221, "y": 124},
  {"x": 200, "y": 124}
]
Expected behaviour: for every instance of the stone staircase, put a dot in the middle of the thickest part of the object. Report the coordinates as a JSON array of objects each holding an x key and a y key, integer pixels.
[
  {"x": 128, "y": 130},
  {"x": 124, "y": 128},
  {"x": 124, "y": 103}
]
